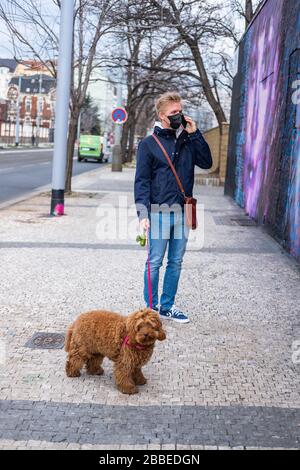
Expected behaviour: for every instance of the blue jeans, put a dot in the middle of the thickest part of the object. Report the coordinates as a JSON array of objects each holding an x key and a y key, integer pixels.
[{"x": 166, "y": 228}]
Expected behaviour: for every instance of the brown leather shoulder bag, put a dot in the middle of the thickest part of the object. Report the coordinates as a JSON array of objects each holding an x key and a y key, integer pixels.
[{"x": 190, "y": 203}]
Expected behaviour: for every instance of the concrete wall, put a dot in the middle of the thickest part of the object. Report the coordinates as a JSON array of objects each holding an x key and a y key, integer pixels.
[
  {"x": 263, "y": 173},
  {"x": 218, "y": 143}
]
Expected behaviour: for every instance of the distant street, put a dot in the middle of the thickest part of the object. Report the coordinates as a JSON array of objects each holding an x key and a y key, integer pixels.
[{"x": 24, "y": 171}]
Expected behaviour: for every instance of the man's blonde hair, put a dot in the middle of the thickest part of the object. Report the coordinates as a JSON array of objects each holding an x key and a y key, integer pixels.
[{"x": 165, "y": 98}]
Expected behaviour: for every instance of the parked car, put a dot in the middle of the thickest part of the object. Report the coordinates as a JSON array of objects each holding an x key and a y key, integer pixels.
[{"x": 91, "y": 148}]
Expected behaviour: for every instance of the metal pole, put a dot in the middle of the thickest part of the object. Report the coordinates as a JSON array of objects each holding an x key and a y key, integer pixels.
[
  {"x": 116, "y": 155},
  {"x": 18, "y": 114},
  {"x": 62, "y": 107},
  {"x": 38, "y": 120}
]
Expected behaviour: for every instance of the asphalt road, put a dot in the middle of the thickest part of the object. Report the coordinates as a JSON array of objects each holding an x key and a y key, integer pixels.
[{"x": 22, "y": 172}]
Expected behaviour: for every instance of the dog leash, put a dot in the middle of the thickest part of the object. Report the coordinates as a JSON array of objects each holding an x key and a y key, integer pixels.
[
  {"x": 149, "y": 271},
  {"x": 126, "y": 342}
]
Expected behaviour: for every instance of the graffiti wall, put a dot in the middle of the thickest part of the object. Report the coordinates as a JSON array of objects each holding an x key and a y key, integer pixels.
[{"x": 263, "y": 172}]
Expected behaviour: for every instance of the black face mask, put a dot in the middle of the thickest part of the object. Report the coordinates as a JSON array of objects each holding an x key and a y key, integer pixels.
[{"x": 175, "y": 121}]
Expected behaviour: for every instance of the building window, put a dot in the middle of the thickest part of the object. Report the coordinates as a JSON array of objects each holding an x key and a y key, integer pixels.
[
  {"x": 40, "y": 106},
  {"x": 28, "y": 105}
]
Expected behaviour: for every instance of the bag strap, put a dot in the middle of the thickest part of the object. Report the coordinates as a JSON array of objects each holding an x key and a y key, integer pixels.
[{"x": 170, "y": 163}]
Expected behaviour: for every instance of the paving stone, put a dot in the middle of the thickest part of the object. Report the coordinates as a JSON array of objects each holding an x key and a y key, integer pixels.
[{"x": 226, "y": 379}]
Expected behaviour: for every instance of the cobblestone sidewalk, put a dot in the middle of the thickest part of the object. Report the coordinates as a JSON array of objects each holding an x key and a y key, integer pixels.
[{"x": 226, "y": 380}]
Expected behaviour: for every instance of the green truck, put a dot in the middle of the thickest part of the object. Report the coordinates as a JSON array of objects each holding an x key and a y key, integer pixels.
[{"x": 91, "y": 148}]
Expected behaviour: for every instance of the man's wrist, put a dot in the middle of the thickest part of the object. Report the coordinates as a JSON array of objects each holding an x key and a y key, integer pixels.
[
  {"x": 195, "y": 133},
  {"x": 192, "y": 131}
]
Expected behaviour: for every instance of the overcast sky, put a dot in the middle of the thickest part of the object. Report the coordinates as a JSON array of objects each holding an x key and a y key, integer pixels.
[
  {"x": 6, "y": 49},
  {"x": 50, "y": 12},
  {"x": 5, "y": 45}
]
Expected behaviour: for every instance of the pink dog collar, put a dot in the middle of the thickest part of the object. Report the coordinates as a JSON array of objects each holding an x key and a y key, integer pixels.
[{"x": 139, "y": 347}]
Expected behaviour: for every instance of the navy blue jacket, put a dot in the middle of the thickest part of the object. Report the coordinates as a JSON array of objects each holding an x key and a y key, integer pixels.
[{"x": 155, "y": 182}]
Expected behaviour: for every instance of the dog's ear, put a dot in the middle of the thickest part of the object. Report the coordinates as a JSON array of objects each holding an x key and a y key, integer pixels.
[
  {"x": 132, "y": 321},
  {"x": 156, "y": 322},
  {"x": 161, "y": 335}
]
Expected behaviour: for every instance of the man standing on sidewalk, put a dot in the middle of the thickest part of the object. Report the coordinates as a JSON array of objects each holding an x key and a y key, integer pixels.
[{"x": 159, "y": 199}]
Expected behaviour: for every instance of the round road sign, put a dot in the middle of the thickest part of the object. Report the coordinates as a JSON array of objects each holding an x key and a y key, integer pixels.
[{"x": 119, "y": 115}]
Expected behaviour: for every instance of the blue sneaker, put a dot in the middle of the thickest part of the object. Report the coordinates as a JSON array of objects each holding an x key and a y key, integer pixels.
[{"x": 175, "y": 315}]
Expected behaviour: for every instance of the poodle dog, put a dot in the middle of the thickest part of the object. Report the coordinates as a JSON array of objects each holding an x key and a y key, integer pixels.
[{"x": 127, "y": 341}]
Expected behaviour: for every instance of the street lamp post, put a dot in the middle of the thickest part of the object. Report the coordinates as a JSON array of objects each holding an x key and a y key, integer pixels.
[
  {"x": 116, "y": 156},
  {"x": 62, "y": 107}
]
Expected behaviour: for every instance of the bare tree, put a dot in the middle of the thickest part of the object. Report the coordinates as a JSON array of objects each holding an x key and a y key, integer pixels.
[
  {"x": 146, "y": 51},
  {"x": 169, "y": 44},
  {"x": 144, "y": 80},
  {"x": 247, "y": 9},
  {"x": 249, "y": 13},
  {"x": 159, "y": 60},
  {"x": 198, "y": 23},
  {"x": 33, "y": 29},
  {"x": 94, "y": 20}
]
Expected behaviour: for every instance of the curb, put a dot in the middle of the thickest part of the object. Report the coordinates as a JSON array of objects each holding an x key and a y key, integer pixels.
[{"x": 25, "y": 150}]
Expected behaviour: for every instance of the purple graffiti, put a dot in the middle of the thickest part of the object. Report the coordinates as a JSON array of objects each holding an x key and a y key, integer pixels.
[
  {"x": 261, "y": 127},
  {"x": 267, "y": 134}
]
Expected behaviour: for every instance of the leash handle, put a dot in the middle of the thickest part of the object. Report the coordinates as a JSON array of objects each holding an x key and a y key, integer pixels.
[{"x": 149, "y": 272}]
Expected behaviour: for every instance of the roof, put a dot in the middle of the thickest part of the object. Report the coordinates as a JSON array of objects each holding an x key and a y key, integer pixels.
[
  {"x": 34, "y": 65},
  {"x": 11, "y": 64},
  {"x": 30, "y": 84}
]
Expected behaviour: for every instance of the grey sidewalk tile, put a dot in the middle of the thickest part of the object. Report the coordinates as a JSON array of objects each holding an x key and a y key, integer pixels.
[
  {"x": 227, "y": 379},
  {"x": 114, "y": 426}
]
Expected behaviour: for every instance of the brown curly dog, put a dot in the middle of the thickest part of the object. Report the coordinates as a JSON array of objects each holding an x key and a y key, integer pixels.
[{"x": 127, "y": 341}]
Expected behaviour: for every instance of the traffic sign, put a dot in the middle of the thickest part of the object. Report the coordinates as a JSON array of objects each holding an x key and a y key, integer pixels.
[
  {"x": 119, "y": 115},
  {"x": 13, "y": 93}
]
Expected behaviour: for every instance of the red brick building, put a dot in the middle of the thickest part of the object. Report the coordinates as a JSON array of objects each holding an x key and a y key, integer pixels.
[{"x": 37, "y": 106}]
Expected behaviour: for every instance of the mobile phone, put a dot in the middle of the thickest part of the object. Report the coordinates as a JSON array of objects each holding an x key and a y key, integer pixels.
[{"x": 184, "y": 122}]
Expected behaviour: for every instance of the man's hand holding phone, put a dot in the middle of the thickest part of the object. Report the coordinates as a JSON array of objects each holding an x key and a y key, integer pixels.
[{"x": 189, "y": 125}]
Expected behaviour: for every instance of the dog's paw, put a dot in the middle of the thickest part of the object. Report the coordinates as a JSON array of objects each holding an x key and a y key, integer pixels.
[
  {"x": 73, "y": 374},
  {"x": 98, "y": 371},
  {"x": 129, "y": 390},
  {"x": 139, "y": 379}
]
